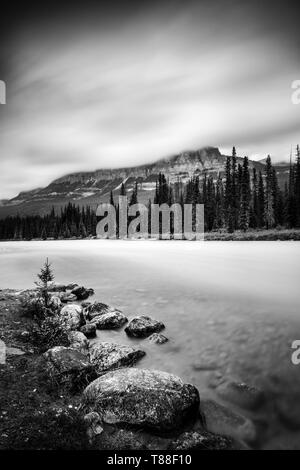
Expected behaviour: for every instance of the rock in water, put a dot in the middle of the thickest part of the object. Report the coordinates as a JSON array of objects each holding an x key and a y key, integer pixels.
[
  {"x": 145, "y": 398},
  {"x": 108, "y": 356},
  {"x": 71, "y": 316},
  {"x": 82, "y": 293},
  {"x": 54, "y": 287},
  {"x": 71, "y": 286},
  {"x": 110, "y": 321},
  {"x": 201, "y": 440},
  {"x": 241, "y": 394},
  {"x": 222, "y": 420},
  {"x": 67, "y": 297},
  {"x": 157, "y": 338},
  {"x": 69, "y": 366},
  {"x": 78, "y": 341},
  {"x": 98, "y": 308},
  {"x": 89, "y": 330},
  {"x": 143, "y": 326}
]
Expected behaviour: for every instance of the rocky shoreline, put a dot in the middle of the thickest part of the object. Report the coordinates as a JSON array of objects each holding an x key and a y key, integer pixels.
[{"x": 122, "y": 406}]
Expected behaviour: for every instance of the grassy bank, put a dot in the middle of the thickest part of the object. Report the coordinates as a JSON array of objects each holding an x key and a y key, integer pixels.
[
  {"x": 254, "y": 235},
  {"x": 33, "y": 413}
]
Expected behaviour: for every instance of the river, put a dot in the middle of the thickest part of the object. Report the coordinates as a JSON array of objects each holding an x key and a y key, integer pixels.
[{"x": 230, "y": 308}]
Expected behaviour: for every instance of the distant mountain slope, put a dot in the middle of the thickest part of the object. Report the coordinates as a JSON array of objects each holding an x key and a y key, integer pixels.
[{"x": 93, "y": 187}]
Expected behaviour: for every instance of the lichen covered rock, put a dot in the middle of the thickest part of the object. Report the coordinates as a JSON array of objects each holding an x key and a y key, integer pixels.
[
  {"x": 69, "y": 366},
  {"x": 110, "y": 321},
  {"x": 71, "y": 316},
  {"x": 157, "y": 338},
  {"x": 143, "y": 326},
  {"x": 107, "y": 356},
  {"x": 144, "y": 398}
]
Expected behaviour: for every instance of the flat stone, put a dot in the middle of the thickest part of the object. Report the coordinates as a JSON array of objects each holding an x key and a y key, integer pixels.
[
  {"x": 98, "y": 308},
  {"x": 110, "y": 321},
  {"x": 107, "y": 356}
]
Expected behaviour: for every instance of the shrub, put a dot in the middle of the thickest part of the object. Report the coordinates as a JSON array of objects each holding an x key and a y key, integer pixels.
[
  {"x": 33, "y": 308},
  {"x": 48, "y": 334}
]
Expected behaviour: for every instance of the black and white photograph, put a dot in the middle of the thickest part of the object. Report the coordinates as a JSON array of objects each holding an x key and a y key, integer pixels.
[{"x": 150, "y": 228}]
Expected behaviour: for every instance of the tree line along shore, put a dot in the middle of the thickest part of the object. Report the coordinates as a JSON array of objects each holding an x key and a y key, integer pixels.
[{"x": 242, "y": 203}]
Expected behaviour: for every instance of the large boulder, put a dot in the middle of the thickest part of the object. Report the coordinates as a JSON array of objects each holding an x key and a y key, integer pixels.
[
  {"x": 98, "y": 308},
  {"x": 108, "y": 356},
  {"x": 110, "y": 321},
  {"x": 89, "y": 330},
  {"x": 71, "y": 316},
  {"x": 144, "y": 398},
  {"x": 69, "y": 366},
  {"x": 143, "y": 326},
  {"x": 78, "y": 341},
  {"x": 81, "y": 292}
]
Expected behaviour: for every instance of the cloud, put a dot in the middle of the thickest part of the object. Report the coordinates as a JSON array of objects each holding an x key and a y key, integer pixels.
[{"x": 141, "y": 88}]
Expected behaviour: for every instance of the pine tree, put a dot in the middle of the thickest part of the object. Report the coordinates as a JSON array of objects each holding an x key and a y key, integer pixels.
[
  {"x": 234, "y": 189},
  {"x": 228, "y": 198},
  {"x": 123, "y": 190},
  {"x": 45, "y": 276},
  {"x": 245, "y": 197},
  {"x": 269, "y": 199},
  {"x": 254, "y": 208},
  {"x": 134, "y": 196},
  {"x": 260, "y": 201},
  {"x": 111, "y": 199},
  {"x": 297, "y": 184},
  {"x": 44, "y": 234},
  {"x": 219, "y": 223}
]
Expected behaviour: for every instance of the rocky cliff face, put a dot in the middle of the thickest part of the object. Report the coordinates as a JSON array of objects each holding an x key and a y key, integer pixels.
[{"x": 93, "y": 187}]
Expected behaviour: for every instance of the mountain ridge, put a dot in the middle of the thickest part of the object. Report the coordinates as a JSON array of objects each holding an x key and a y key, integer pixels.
[{"x": 93, "y": 187}]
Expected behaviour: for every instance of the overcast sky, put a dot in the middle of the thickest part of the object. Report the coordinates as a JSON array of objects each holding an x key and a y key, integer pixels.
[{"x": 108, "y": 87}]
